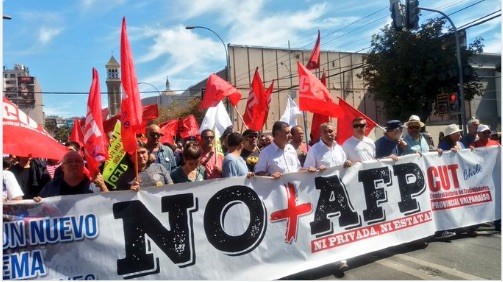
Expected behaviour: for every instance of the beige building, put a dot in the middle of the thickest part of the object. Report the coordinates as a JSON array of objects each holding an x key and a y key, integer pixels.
[{"x": 24, "y": 91}]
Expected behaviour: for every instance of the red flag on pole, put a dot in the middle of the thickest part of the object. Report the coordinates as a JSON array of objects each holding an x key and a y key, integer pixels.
[
  {"x": 77, "y": 135},
  {"x": 345, "y": 121},
  {"x": 169, "y": 130},
  {"x": 257, "y": 105},
  {"x": 23, "y": 137},
  {"x": 318, "y": 119},
  {"x": 268, "y": 95},
  {"x": 313, "y": 95},
  {"x": 314, "y": 60},
  {"x": 95, "y": 139},
  {"x": 188, "y": 127},
  {"x": 216, "y": 90},
  {"x": 131, "y": 109}
]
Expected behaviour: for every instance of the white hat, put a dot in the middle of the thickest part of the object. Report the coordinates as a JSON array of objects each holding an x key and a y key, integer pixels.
[
  {"x": 414, "y": 119},
  {"x": 451, "y": 129},
  {"x": 482, "y": 128}
]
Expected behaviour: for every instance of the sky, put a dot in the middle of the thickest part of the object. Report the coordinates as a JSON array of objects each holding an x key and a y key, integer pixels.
[{"x": 61, "y": 41}]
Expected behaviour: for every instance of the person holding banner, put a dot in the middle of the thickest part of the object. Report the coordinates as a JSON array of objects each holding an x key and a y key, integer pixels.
[
  {"x": 452, "y": 138},
  {"x": 391, "y": 145},
  {"x": 73, "y": 181},
  {"x": 162, "y": 154},
  {"x": 210, "y": 158},
  {"x": 416, "y": 142},
  {"x": 234, "y": 165},
  {"x": 149, "y": 173},
  {"x": 280, "y": 156},
  {"x": 326, "y": 152},
  {"x": 190, "y": 170},
  {"x": 359, "y": 147}
]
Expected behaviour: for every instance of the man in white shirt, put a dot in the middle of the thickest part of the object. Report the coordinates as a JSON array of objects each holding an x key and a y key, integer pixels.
[
  {"x": 279, "y": 157},
  {"x": 358, "y": 147},
  {"x": 11, "y": 189},
  {"x": 326, "y": 152}
]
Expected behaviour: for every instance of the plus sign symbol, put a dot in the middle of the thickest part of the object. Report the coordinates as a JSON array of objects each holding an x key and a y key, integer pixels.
[{"x": 292, "y": 213}]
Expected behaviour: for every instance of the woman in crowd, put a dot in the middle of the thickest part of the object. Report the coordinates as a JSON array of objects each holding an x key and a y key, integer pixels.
[
  {"x": 451, "y": 140},
  {"x": 190, "y": 170}
]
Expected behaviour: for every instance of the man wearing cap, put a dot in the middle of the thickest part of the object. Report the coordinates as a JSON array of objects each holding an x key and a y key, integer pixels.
[
  {"x": 484, "y": 133},
  {"x": 391, "y": 145},
  {"x": 416, "y": 143},
  {"x": 251, "y": 151},
  {"x": 162, "y": 154},
  {"x": 471, "y": 136}
]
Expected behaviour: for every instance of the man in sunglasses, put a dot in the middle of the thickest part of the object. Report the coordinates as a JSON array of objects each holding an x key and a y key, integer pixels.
[
  {"x": 210, "y": 159},
  {"x": 359, "y": 147},
  {"x": 162, "y": 153},
  {"x": 416, "y": 143},
  {"x": 251, "y": 151}
]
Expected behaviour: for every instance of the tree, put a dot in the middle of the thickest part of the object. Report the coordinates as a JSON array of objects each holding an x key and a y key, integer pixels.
[
  {"x": 181, "y": 109},
  {"x": 407, "y": 70}
]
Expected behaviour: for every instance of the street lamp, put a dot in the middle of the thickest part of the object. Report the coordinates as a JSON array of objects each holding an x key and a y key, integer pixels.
[
  {"x": 7, "y": 17},
  {"x": 158, "y": 92},
  {"x": 227, "y": 70}
]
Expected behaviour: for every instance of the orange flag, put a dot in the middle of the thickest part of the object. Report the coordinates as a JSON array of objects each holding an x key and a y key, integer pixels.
[
  {"x": 314, "y": 60},
  {"x": 313, "y": 95},
  {"x": 131, "y": 109},
  {"x": 345, "y": 121},
  {"x": 216, "y": 90}
]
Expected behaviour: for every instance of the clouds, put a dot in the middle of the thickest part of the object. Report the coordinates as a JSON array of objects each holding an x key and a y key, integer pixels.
[{"x": 47, "y": 34}]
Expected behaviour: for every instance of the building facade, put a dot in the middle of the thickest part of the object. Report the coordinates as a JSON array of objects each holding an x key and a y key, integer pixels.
[
  {"x": 24, "y": 91},
  {"x": 113, "y": 82}
]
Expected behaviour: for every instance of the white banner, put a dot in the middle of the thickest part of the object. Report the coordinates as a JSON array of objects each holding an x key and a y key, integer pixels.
[{"x": 250, "y": 229}]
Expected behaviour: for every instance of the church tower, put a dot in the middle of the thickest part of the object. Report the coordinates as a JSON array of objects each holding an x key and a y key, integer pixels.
[{"x": 113, "y": 86}]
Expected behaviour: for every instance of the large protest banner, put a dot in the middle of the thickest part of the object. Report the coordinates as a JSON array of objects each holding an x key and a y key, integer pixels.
[{"x": 250, "y": 229}]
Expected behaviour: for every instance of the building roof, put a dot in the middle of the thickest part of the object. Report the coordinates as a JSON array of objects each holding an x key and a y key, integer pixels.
[{"x": 112, "y": 63}]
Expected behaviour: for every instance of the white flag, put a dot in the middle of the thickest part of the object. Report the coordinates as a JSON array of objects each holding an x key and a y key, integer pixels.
[
  {"x": 291, "y": 112},
  {"x": 216, "y": 119}
]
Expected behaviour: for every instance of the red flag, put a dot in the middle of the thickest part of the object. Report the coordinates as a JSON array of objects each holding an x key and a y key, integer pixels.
[
  {"x": 95, "y": 139},
  {"x": 318, "y": 119},
  {"x": 314, "y": 60},
  {"x": 256, "y": 106},
  {"x": 216, "y": 90},
  {"x": 268, "y": 95},
  {"x": 169, "y": 130},
  {"x": 188, "y": 127},
  {"x": 77, "y": 135},
  {"x": 313, "y": 95},
  {"x": 131, "y": 110},
  {"x": 149, "y": 113},
  {"x": 345, "y": 121},
  {"x": 23, "y": 137}
]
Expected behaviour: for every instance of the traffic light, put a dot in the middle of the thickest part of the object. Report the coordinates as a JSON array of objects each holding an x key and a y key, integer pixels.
[
  {"x": 396, "y": 15},
  {"x": 412, "y": 14},
  {"x": 454, "y": 103}
]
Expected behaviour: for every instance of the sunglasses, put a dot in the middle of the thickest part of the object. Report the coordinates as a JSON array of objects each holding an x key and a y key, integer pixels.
[
  {"x": 252, "y": 136},
  {"x": 413, "y": 127},
  {"x": 359, "y": 125},
  {"x": 156, "y": 135},
  {"x": 208, "y": 137}
]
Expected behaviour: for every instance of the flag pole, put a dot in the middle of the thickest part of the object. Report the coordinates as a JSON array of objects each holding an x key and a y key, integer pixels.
[{"x": 241, "y": 117}]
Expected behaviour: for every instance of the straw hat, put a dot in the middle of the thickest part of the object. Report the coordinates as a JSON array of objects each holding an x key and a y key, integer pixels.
[
  {"x": 414, "y": 119},
  {"x": 451, "y": 129}
]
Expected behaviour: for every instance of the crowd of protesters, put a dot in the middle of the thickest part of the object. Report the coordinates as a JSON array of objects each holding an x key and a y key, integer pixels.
[{"x": 248, "y": 154}]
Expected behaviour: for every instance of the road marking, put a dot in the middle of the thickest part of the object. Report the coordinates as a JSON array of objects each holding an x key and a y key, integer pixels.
[
  {"x": 450, "y": 271},
  {"x": 408, "y": 270}
]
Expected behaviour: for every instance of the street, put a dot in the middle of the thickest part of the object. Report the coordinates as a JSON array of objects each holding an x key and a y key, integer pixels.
[{"x": 462, "y": 258}]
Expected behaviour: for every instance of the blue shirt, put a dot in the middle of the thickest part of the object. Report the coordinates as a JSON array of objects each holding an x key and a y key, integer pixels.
[
  {"x": 165, "y": 157},
  {"x": 416, "y": 146},
  {"x": 234, "y": 166},
  {"x": 386, "y": 147}
]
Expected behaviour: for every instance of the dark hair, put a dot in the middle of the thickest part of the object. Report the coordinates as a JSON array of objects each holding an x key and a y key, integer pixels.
[
  {"x": 248, "y": 132},
  {"x": 234, "y": 139},
  {"x": 73, "y": 144},
  {"x": 206, "y": 130},
  {"x": 277, "y": 126},
  {"x": 191, "y": 151}
]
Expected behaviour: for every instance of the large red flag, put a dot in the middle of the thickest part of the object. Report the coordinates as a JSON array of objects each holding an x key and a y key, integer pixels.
[
  {"x": 95, "y": 139},
  {"x": 216, "y": 90},
  {"x": 131, "y": 110},
  {"x": 268, "y": 95},
  {"x": 23, "y": 137},
  {"x": 318, "y": 119},
  {"x": 313, "y": 95},
  {"x": 314, "y": 60},
  {"x": 188, "y": 127},
  {"x": 345, "y": 121},
  {"x": 77, "y": 135},
  {"x": 256, "y": 106}
]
